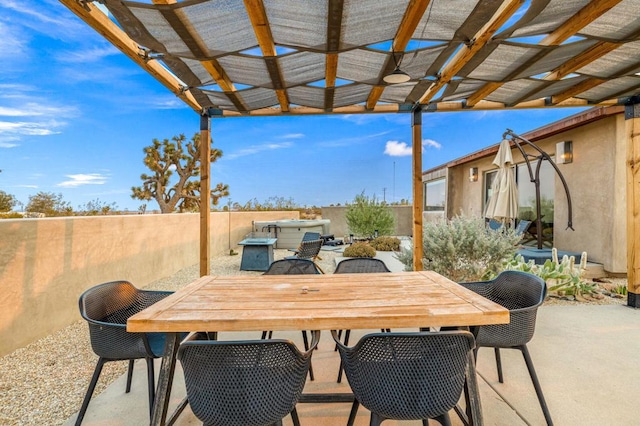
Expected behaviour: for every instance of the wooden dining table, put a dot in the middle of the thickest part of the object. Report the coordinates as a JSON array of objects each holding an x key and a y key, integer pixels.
[{"x": 313, "y": 302}]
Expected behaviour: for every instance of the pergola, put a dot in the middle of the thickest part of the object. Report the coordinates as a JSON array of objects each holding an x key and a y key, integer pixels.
[{"x": 228, "y": 58}]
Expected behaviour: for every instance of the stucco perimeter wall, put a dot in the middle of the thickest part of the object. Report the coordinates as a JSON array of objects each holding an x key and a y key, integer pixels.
[
  {"x": 336, "y": 214},
  {"x": 45, "y": 264},
  {"x": 596, "y": 180}
]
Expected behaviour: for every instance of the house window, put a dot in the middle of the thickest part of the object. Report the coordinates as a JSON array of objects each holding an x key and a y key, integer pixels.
[
  {"x": 434, "y": 195},
  {"x": 527, "y": 191},
  {"x": 489, "y": 177}
]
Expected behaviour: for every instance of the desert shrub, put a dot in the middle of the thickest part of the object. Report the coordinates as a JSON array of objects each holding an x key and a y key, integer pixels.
[
  {"x": 366, "y": 215},
  {"x": 386, "y": 244},
  {"x": 563, "y": 277},
  {"x": 463, "y": 249},
  {"x": 11, "y": 215},
  {"x": 359, "y": 250}
]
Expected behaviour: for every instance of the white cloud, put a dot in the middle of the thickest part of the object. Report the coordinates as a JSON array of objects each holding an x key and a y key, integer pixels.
[
  {"x": 352, "y": 141},
  {"x": 29, "y": 128},
  {"x": 8, "y": 141},
  {"x": 11, "y": 44},
  {"x": 255, "y": 149},
  {"x": 37, "y": 109},
  {"x": 430, "y": 143},
  {"x": 293, "y": 136},
  {"x": 402, "y": 149},
  {"x": 28, "y": 115},
  {"x": 83, "y": 179},
  {"x": 397, "y": 149},
  {"x": 83, "y": 56}
]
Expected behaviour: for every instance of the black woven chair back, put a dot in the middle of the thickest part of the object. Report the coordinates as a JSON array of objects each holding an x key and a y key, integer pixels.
[
  {"x": 292, "y": 267},
  {"x": 106, "y": 307},
  {"x": 361, "y": 265},
  {"x": 520, "y": 292},
  {"x": 309, "y": 249},
  {"x": 242, "y": 383},
  {"x": 408, "y": 376}
]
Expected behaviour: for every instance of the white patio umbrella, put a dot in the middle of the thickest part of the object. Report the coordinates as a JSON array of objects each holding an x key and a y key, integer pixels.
[{"x": 503, "y": 203}]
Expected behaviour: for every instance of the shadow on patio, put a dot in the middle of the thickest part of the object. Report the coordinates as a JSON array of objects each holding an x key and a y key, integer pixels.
[{"x": 584, "y": 356}]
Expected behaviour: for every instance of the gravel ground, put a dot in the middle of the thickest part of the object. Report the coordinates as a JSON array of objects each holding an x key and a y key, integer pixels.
[{"x": 44, "y": 383}]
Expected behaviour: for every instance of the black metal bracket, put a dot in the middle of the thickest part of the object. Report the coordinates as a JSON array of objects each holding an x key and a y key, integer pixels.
[{"x": 535, "y": 178}]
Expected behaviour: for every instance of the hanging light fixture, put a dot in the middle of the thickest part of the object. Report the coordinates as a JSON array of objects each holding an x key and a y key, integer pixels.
[{"x": 397, "y": 75}]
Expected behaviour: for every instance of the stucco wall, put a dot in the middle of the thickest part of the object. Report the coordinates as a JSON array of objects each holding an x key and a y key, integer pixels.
[
  {"x": 596, "y": 180},
  {"x": 45, "y": 264},
  {"x": 336, "y": 214}
]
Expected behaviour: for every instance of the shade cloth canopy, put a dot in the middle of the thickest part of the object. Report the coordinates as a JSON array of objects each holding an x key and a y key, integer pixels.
[
  {"x": 503, "y": 203},
  {"x": 271, "y": 57}
]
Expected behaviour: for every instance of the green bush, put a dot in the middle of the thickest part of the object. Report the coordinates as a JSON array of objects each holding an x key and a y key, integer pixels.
[
  {"x": 359, "y": 250},
  {"x": 463, "y": 249},
  {"x": 367, "y": 215},
  {"x": 562, "y": 276},
  {"x": 386, "y": 244}
]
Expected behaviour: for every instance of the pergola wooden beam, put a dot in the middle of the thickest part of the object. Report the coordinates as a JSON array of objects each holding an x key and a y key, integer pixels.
[
  {"x": 466, "y": 53},
  {"x": 198, "y": 48},
  {"x": 410, "y": 20},
  {"x": 100, "y": 22},
  {"x": 570, "y": 27},
  {"x": 262, "y": 30},
  {"x": 583, "y": 86},
  {"x": 584, "y": 17},
  {"x": 596, "y": 51}
]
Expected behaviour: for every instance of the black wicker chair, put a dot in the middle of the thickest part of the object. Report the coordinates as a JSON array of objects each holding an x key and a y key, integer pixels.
[
  {"x": 357, "y": 265},
  {"x": 522, "y": 293},
  {"x": 309, "y": 249},
  {"x": 292, "y": 266},
  {"x": 407, "y": 376},
  {"x": 240, "y": 383},
  {"x": 106, "y": 307}
]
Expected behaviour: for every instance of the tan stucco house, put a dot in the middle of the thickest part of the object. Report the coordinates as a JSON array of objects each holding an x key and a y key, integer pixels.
[{"x": 596, "y": 178}]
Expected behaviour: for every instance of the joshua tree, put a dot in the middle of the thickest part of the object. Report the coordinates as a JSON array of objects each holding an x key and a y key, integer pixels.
[{"x": 164, "y": 158}]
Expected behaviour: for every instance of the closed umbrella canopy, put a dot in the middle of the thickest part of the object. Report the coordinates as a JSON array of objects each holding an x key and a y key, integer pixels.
[{"x": 503, "y": 203}]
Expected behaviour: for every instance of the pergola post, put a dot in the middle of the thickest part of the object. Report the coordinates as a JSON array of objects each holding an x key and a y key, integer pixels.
[
  {"x": 205, "y": 192},
  {"x": 416, "y": 130},
  {"x": 632, "y": 121}
]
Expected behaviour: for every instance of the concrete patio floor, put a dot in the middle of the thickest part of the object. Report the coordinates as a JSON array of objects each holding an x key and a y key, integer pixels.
[{"x": 585, "y": 357}]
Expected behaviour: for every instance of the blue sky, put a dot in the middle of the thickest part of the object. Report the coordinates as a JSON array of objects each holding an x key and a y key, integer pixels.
[{"x": 75, "y": 115}]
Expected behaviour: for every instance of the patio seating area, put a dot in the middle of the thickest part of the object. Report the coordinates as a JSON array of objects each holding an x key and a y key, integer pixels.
[{"x": 574, "y": 348}]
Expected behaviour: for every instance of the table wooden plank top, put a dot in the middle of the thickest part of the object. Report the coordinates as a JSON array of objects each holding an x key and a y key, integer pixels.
[{"x": 318, "y": 302}]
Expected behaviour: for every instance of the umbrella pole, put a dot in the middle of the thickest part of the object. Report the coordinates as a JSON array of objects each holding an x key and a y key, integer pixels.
[{"x": 538, "y": 206}]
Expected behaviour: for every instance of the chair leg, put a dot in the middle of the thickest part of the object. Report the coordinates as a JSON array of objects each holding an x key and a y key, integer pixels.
[
  {"x": 305, "y": 339},
  {"x": 354, "y": 411},
  {"x": 129, "y": 376},
  {"x": 340, "y": 370},
  {"x": 294, "y": 417},
  {"x": 92, "y": 386},
  {"x": 536, "y": 383},
  {"x": 499, "y": 364},
  {"x": 347, "y": 334},
  {"x": 443, "y": 419},
  {"x": 376, "y": 420},
  {"x": 151, "y": 383}
]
